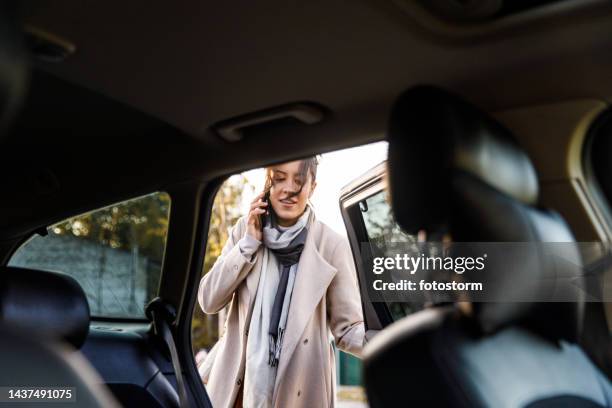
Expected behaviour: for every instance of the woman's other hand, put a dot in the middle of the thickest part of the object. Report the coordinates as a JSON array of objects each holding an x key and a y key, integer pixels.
[{"x": 258, "y": 208}]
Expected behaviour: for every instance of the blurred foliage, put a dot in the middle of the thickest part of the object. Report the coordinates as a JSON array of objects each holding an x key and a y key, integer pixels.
[
  {"x": 225, "y": 212},
  {"x": 139, "y": 225},
  {"x": 141, "y": 222}
]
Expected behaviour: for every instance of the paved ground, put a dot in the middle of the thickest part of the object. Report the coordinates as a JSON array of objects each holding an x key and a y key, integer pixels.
[{"x": 351, "y": 397}]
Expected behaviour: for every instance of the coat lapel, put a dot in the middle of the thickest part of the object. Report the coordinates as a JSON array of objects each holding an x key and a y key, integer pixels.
[{"x": 313, "y": 276}]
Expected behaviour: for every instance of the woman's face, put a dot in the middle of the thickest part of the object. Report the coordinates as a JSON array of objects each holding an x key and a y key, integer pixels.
[{"x": 286, "y": 180}]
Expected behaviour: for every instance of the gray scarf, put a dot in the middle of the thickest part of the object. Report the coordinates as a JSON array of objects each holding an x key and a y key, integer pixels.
[{"x": 286, "y": 244}]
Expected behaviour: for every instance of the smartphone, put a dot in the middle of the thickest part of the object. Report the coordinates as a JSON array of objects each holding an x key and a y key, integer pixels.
[{"x": 263, "y": 218}]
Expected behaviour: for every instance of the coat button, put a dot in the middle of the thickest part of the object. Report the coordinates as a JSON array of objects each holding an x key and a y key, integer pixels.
[
  {"x": 235, "y": 267},
  {"x": 299, "y": 392},
  {"x": 305, "y": 341},
  {"x": 239, "y": 382}
]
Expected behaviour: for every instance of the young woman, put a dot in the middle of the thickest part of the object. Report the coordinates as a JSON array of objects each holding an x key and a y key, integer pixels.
[{"x": 290, "y": 281}]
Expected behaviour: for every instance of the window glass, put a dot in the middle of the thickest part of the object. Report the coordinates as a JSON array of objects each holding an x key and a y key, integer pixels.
[
  {"x": 380, "y": 224},
  {"x": 115, "y": 253},
  {"x": 383, "y": 232}
]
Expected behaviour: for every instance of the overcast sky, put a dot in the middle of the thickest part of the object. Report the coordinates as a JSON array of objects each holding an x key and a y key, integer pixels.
[{"x": 336, "y": 170}]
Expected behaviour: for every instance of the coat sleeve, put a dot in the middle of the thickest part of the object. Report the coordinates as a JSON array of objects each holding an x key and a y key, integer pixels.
[
  {"x": 229, "y": 270},
  {"x": 344, "y": 310}
]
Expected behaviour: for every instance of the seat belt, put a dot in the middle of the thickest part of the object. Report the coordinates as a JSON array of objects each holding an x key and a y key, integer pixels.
[{"x": 162, "y": 314}]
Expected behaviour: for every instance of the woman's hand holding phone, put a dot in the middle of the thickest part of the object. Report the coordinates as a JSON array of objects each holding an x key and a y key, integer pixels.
[{"x": 258, "y": 209}]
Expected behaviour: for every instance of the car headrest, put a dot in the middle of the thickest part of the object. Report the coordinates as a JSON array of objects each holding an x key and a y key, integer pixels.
[
  {"x": 454, "y": 169},
  {"x": 14, "y": 62},
  {"x": 47, "y": 304},
  {"x": 432, "y": 135}
]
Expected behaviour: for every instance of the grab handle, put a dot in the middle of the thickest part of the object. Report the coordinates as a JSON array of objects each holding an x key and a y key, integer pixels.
[{"x": 232, "y": 130}]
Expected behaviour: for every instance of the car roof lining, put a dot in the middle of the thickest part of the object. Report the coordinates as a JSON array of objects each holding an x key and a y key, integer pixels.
[
  {"x": 139, "y": 80},
  {"x": 196, "y": 63}
]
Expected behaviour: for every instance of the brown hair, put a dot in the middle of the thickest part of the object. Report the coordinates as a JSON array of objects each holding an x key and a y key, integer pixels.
[{"x": 307, "y": 166}]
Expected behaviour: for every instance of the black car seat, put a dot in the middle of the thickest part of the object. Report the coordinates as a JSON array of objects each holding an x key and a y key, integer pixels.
[
  {"x": 48, "y": 305},
  {"x": 454, "y": 169},
  {"x": 44, "y": 319}
]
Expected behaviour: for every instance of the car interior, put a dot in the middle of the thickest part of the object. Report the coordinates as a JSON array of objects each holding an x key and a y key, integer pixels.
[
  {"x": 448, "y": 351},
  {"x": 497, "y": 114}
]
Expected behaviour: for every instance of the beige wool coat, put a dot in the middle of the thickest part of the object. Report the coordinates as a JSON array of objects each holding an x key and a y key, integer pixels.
[{"x": 325, "y": 299}]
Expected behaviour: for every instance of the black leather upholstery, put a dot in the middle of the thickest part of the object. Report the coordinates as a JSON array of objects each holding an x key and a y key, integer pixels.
[
  {"x": 51, "y": 305},
  {"x": 27, "y": 362},
  {"x": 453, "y": 169},
  {"x": 480, "y": 213},
  {"x": 477, "y": 183},
  {"x": 435, "y": 358},
  {"x": 130, "y": 362},
  {"x": 433, "y": 135}
]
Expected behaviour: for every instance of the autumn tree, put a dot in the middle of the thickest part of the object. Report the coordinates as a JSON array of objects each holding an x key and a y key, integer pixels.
[{"x": 226, "y": 211}]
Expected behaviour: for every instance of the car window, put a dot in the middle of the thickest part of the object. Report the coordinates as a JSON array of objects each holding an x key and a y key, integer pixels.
[
  {"x": 383, "y": 235},
  {"x": 380, "y": 224},
  {"x": 115, "y": 253}
]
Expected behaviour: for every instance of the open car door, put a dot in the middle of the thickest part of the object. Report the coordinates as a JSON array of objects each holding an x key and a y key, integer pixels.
[{"x": 372, "y": 230}]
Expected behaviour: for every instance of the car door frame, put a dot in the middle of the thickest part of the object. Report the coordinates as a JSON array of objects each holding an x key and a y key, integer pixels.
[{"x": 376, "y": 314}]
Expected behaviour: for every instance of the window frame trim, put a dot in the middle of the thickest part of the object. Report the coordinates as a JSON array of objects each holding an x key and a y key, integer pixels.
[{"x": 376, "y": 314}]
